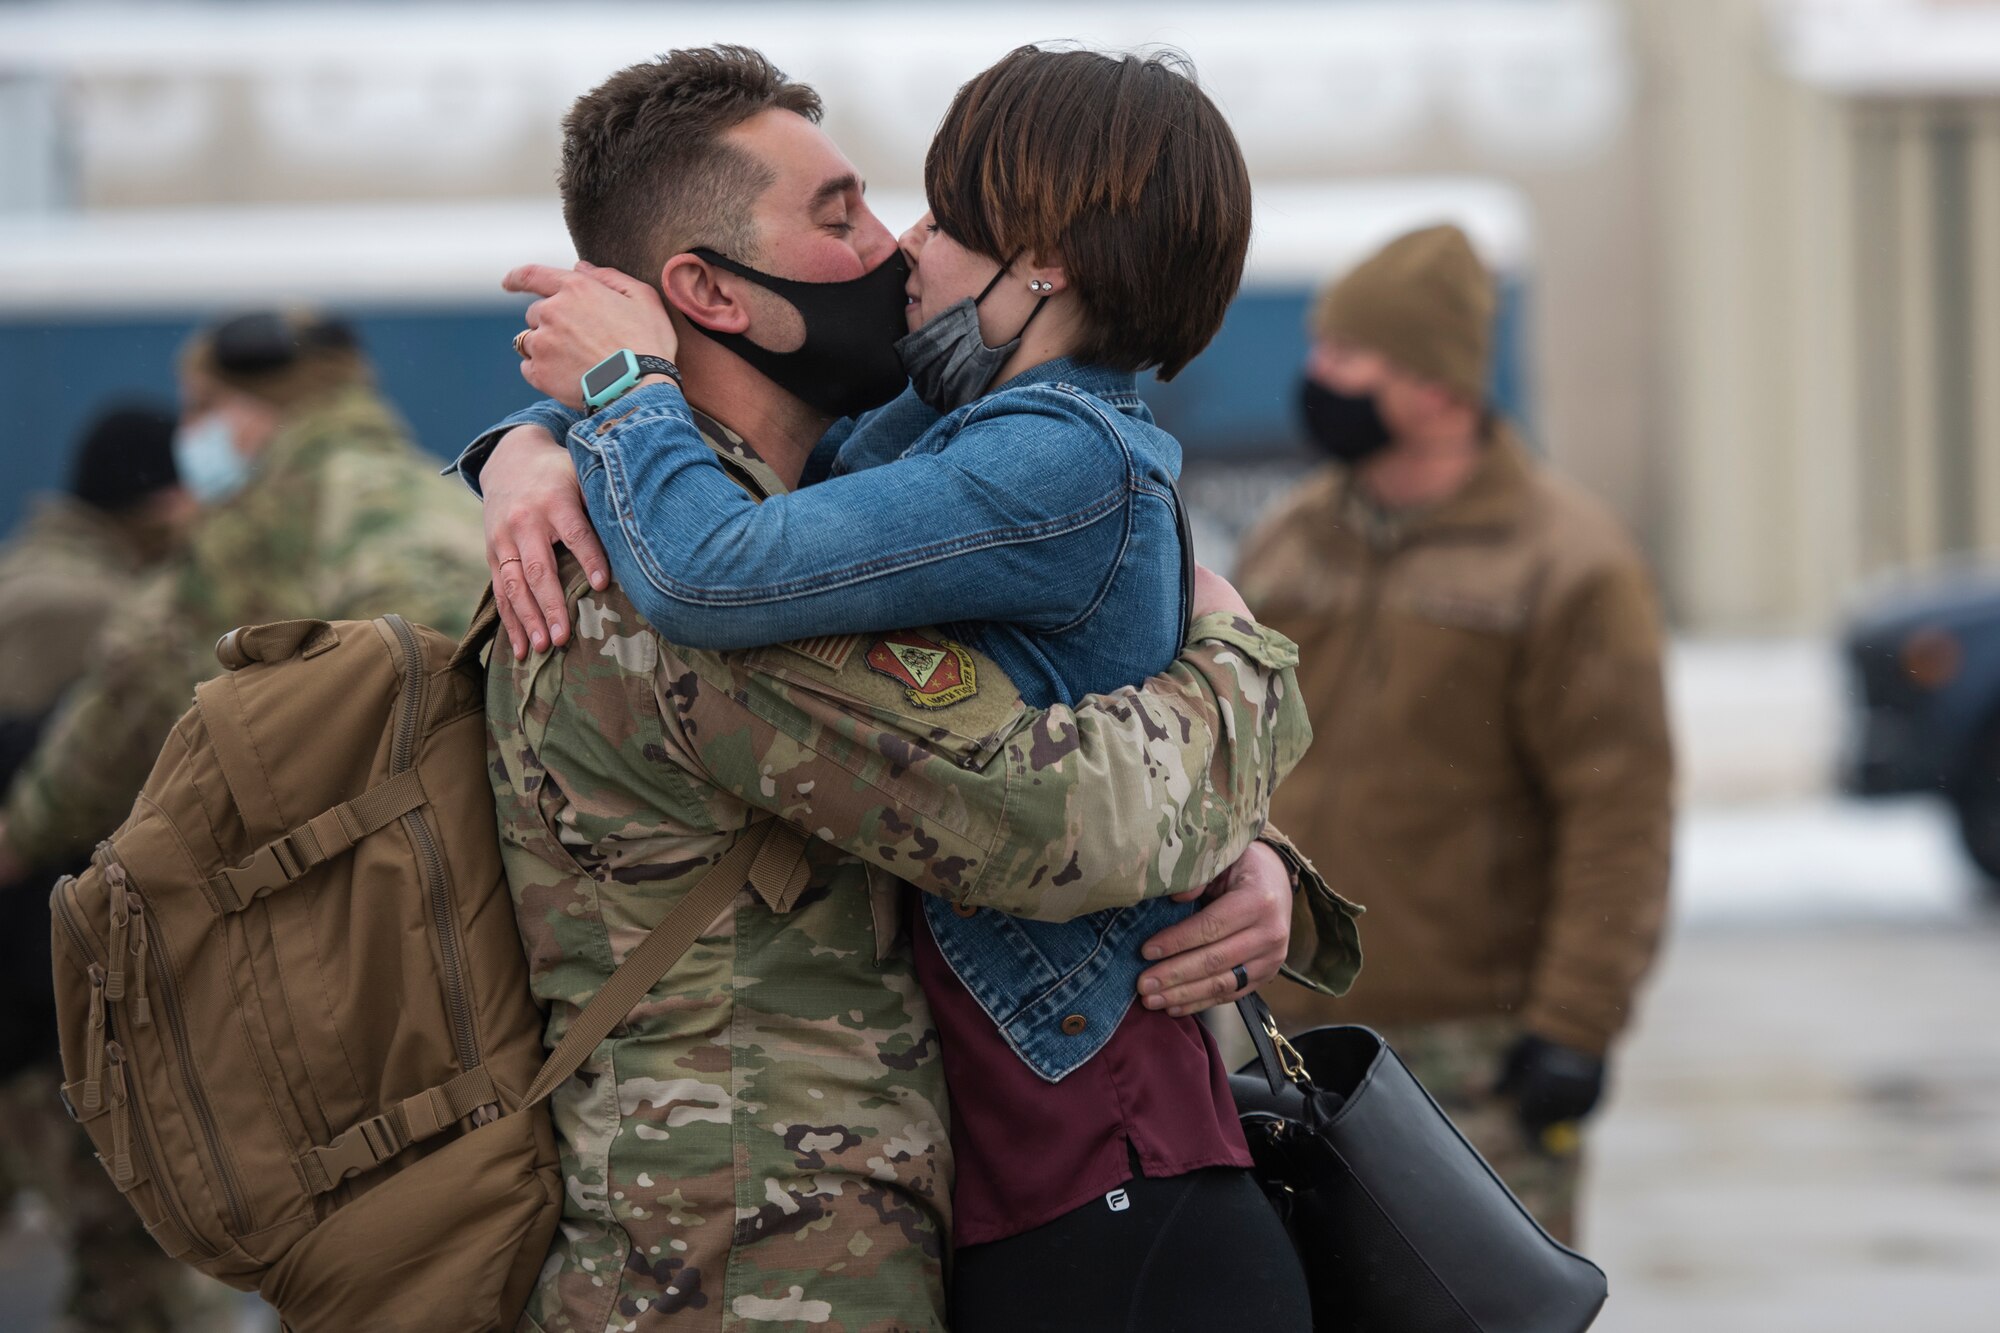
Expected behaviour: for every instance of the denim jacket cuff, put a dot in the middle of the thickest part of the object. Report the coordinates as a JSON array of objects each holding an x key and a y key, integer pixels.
[
  {"x": 1265, "y": 645},
  {"x": 642, "y": 407},
  {"x": 1325, "y": 953},
  {"x": 471, "y": 461}
]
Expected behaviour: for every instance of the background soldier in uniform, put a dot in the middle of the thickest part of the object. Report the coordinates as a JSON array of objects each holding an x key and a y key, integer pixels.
[
  {"x": 1480, "y": 653},
  {"x": 314, "y": 503},
  {"x": 77, "y": 557},
  {"x": 82, "y": 551}
]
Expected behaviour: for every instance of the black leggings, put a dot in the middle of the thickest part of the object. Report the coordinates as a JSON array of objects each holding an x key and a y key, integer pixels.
[{"x": 1200, "y": 1253}]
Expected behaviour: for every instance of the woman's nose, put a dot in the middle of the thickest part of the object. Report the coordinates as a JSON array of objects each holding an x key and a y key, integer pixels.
[{"x": 912, "y": 239}]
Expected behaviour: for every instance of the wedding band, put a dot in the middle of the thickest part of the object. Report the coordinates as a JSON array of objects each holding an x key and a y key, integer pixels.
[
  {"x": 1242, "y": 977},
  {"x": 519, "y": 339},
  {"x": 515, "y": 560}
]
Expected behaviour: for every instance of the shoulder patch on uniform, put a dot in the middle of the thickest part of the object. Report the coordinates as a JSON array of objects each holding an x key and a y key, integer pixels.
[
  {"x": 935, "y": 673},
  {"x": 829, "y": 650}
]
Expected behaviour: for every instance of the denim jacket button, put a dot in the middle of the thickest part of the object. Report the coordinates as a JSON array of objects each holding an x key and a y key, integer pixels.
[
  {"x": 1074, "y": 1024},
  {"x": 965, "y": 909}
]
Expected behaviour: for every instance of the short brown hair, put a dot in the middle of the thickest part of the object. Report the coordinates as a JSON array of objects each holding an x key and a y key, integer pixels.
[
  {"x": 1119, "y": 166},
  {"x": 646, "y": 173}
]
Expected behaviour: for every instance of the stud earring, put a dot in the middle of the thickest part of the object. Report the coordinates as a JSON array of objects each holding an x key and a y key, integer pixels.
[{"x": 1038, "y": 285}]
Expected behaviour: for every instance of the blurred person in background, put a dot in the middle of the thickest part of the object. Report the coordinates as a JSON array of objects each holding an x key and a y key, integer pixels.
[
  {"x": 85, "y": 548},
  {"x": 1491, "y": 772},
  {"x": 80, "y": 553},
  {"x": 314, "y": 502}
]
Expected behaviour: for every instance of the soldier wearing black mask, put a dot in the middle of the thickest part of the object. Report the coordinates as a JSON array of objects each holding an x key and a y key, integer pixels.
[{"x": 1491, "y": 774}]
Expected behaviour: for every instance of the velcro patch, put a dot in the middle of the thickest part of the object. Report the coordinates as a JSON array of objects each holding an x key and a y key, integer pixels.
[
  {"x": 935, "y": 673},
  {"x": 829, "y": 650}
]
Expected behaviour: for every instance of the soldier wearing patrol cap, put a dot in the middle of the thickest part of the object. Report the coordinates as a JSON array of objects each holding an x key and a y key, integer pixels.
[
  {"x": 1491, "y": 773},
  {"x": 314, "y": 502}
]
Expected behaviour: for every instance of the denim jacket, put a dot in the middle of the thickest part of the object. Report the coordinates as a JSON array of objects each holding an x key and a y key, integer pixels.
[{"x": 1037, "y": 523}]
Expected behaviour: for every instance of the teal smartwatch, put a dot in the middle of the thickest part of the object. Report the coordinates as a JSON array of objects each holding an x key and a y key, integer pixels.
[{"x": 604, "y": 382}]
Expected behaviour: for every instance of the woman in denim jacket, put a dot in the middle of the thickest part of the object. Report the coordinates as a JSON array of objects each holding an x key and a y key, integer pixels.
[{"x": 1090, "y": 219}]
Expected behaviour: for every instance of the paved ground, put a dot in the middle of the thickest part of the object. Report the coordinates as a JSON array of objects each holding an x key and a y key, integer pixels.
[{"x": 1806, "y": 1135}]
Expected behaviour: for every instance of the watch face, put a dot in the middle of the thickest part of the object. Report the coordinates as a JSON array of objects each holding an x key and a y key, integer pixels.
[{"x": 604, "y": 376}]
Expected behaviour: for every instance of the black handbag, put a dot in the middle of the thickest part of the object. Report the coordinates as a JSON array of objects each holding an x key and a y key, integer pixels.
[{"x": 1401, "y": 1225}]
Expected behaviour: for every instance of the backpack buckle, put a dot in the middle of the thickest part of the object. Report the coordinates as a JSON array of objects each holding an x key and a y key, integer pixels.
[
  {"x": 272, "y": 866},
  {"x": 362, "y": 1147}
]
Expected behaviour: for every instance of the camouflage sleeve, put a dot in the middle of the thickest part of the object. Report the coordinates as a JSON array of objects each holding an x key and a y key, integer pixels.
[
  {"x": 392, "y": 537},
  {"x": 79, "y": 784},
  {"x": 1325, "y": 952},
  {"x": 1046, "y": 814}
]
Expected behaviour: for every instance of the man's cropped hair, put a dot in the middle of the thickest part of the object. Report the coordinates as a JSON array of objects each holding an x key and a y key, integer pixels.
[
  {"x": 646, "y": 172},
  {"x": 1118, "y": 167}
]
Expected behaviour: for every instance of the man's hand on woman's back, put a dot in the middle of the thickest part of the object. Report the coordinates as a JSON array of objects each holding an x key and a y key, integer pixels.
[{"x": 1246, "y": 922}]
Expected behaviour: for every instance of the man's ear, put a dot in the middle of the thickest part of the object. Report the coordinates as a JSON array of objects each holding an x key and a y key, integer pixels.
[{"x": 703, "y": 295}]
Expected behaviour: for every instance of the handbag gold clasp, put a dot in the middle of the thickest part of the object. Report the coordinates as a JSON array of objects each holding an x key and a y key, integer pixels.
[{"x": 1289, "y": 1058}]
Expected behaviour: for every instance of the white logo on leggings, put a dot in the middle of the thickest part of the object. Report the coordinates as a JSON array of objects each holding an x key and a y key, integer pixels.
[{"x": 1118, "y": 1201}]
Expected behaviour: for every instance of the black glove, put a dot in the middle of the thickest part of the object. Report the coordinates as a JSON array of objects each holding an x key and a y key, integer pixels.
[{"x": 1552, "y": 1087}]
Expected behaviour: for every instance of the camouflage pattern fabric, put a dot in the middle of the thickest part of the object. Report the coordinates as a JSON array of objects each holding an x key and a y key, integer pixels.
[
  {"x": 119, "y": 1280},
  {"x": 1458, "y": 1062},
  {"x": 763, "y": 1145},
  {"x": 342, "y": 519},
  {"x": 60, "y": 576}
]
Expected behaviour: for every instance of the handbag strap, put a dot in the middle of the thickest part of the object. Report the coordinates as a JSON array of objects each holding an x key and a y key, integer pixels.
[
  {"x": 644, "y": 967},
  {"x": 1280, "y": 1060}
]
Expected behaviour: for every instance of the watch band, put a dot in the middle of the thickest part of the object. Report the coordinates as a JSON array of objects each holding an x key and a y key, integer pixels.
[{"x": 659, "y": 365}]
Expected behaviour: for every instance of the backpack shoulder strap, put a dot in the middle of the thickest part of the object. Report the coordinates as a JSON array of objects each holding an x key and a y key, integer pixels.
[{"x": 671, "y": 939}]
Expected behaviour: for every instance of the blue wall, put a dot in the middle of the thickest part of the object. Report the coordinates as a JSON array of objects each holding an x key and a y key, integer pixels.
[{"x": 452, "y": 373}]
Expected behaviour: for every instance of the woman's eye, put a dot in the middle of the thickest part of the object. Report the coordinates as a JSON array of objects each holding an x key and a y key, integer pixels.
[
  {"x": 931, "y": 227},
  {"x": 842, "y": 227}
]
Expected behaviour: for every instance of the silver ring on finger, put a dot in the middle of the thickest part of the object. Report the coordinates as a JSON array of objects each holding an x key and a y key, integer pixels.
[{"x": 1242, "y": 977}]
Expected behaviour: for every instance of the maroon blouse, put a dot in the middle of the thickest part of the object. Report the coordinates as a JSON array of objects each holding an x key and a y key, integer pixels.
[{"x": 1029, "y": 1151}]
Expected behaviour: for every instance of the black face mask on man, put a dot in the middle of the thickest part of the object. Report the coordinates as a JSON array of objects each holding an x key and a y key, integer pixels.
[
  {"x": 848, "y": 363},
  {"x": 1347, "y": 427}
]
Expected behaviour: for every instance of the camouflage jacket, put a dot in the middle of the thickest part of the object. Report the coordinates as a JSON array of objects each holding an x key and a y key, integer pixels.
[
  {"x": 59, "y": 578},
  {"x": 764, "y": 1143},
  {"x": 343, "y": 518}
]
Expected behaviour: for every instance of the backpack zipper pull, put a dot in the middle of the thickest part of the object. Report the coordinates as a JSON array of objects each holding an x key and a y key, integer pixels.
[
  {"x": 93, "y": 1078},
  {"x": 121, "y": 1121},
  {"x": 142, "y": 1008},
  {"x": 121, "y": 917}
]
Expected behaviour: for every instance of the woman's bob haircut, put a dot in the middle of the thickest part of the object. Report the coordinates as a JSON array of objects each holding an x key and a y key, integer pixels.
[{"x": 1120, "y": 169}]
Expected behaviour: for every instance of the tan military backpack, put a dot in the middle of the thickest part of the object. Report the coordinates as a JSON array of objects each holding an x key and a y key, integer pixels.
[{"x": 294, "y": 1008}]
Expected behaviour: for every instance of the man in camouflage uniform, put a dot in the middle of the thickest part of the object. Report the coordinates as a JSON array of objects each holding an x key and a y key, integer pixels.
[
  {"x": 332, "y": 513},
  {"x": 765, "y": 1142},
  {"x": 80, "y": 553},
  {"x": 84, "y": 550},
  {"x": 337, "y": 515}
]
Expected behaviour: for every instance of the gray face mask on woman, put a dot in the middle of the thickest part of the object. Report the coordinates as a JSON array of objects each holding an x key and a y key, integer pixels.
[{"x": 949, "y": 364}]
